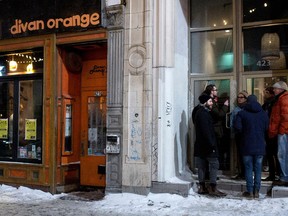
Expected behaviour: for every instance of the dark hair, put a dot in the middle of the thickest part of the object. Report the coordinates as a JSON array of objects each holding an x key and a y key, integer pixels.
[
  {"x": 270, "y": 90},
  {"x": 209, "y": 89}
]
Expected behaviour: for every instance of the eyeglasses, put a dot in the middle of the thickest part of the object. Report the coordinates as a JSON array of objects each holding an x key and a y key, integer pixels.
[
  {"x": 240, "y": 97},
  {"x": 215, "y": 90}
]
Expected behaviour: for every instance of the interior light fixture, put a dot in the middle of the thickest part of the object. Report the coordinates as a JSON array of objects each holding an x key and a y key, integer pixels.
[
  {"x": 29, "y": 68},
  {"x": 13, "y": 65},
  {"x": 270, "y": 46}
]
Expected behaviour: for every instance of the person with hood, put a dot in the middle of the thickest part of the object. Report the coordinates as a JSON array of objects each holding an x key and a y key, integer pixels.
[
  {"x": 278, "y": 127},
  {"x": 239, "y": 105},
  {"x": 206, "y": 149},
  {"x": 252, "y": 122}
]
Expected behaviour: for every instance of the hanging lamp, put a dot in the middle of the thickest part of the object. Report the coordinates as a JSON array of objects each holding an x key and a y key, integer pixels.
[{"x": 270, "y": 46}]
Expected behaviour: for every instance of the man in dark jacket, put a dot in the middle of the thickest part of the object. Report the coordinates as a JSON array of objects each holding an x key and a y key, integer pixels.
[
  {"x": 252, "y": 122},
  {"x": 206, "y": 149}
]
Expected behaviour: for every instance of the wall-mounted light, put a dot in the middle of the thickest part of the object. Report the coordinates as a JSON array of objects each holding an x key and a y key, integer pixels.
[
  {"x": 114, "y": 2},
  {"x": 270, "y": 46}
]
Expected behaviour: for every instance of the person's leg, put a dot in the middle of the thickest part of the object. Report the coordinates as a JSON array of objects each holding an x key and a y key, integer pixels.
[
  {"x": 213, "y": 170},
  {"x": 270, "y": 159},
  {"x": 201, "y": 165},
  {"x": 248, "y": 163},
  {"x": 240, "y": 164},
  {"x": 283, "y": 156},
  {"x": 257, "y": 166}
]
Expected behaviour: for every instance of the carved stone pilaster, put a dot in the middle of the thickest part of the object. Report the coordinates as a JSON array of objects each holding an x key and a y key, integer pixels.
[{"x": 115, "y": 26}]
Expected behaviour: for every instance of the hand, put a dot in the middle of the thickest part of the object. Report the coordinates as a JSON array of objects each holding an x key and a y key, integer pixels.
[{"x": 226, "y": 103}]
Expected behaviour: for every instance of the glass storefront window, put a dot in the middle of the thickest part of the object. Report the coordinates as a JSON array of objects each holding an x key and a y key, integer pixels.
[
  {"x": 21, "y": 104},
  {"x": 6, "y": 119},
  {"x": 30, "y": 119},
  {"x": 211, "y": 13},
  {"x": 257, "y": 86},
  {"x": 211, "y": 52},
  {"x": 258, "y": 54},
  {"x": 21, "y": 62},
  {"x": 259, "y": 10}
]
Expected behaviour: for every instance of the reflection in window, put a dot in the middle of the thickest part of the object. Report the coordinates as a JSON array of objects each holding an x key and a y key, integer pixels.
[
  {"x": 254, "y": 58},
  {"x": 21, "y": 62},
  {"x": 259, "y": 10},
  {"x": 211, "y": 13},
  {"x": 257, "y": 86},
  {"x": 96, "y": 125},
  {"x": 6, "y": 119},
  {"x": 30, "y": 119},
  {"x": 211, "y": 52}
]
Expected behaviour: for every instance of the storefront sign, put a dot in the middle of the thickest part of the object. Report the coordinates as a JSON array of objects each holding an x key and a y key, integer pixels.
[
  {"x": 33, "y": 17},
  {"x": 4, "y": 128},
  {"x": 30, "y": 129}
]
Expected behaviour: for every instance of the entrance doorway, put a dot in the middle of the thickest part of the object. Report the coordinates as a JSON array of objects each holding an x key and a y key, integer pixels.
[
  {"x": 83, "y": 92},
  {"x": 224, "y": 142}
]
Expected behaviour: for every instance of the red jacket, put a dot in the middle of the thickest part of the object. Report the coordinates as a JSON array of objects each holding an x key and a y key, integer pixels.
[{"x": 279, "y": 116}]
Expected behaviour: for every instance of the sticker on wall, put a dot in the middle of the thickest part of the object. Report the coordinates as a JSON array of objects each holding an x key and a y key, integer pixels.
[
  {"x": 30, "y": 129},
  {"x": 4, "y": 128}
]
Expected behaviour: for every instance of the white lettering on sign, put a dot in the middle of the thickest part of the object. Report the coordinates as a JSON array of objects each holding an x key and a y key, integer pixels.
[{"x": 83, "y": 21}]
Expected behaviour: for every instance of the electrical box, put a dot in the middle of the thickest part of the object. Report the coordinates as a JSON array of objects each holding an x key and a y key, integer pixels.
[{"x": 112, "y": 144}]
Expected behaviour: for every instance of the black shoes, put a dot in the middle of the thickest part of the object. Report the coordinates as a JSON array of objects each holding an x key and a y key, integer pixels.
[{"x": 249, "y": 195}]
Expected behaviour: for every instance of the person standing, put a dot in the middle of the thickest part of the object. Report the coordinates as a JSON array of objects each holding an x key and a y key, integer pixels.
[
  {"x": 278, "y": 127},
  {"x": 240, "y": 103},
  {"x": 271, "y": 143},
  {"x": 206, "y": 149},
  {"x": 218, "y": 114},
  {"x": 252, "y": 122}
]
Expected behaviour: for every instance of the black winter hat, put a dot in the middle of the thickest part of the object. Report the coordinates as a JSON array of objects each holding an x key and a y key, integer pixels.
[{"x": 204, "y": 98}]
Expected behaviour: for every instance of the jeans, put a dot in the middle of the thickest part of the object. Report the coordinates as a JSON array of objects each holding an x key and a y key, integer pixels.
[
  {"x": 213, "y": 168},
  {"x": 283, "y": 156},
  {"x": 253, "y": 163}
]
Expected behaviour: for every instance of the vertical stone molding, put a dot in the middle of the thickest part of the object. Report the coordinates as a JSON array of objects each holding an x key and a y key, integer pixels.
[
  {"x": 137, "y": 107},
  {"x": 115, "y": 26}
]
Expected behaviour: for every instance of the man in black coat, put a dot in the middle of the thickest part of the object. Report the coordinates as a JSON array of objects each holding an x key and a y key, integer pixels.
[{"x": 205, "y": 149}]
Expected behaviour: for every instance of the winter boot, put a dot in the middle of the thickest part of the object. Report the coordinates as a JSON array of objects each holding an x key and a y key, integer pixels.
[
  {"x": 202, "y": 189},
  {"x": 256, "y": 194},
  {"x": 213, "y": 191},
  {"x": 248, "y": 195}
]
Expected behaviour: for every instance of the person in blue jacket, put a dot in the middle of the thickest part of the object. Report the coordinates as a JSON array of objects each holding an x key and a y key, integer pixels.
[{"x": 252, "y": 122}]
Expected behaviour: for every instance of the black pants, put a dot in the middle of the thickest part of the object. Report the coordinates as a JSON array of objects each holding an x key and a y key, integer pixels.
[{"x": 272, "y": 158}]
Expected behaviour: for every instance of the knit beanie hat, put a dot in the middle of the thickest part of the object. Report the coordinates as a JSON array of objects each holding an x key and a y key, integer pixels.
[
  {"x": 252, "y": 98},
  {"x": 204, "y": 98},
  {"x": 280, "y": 85},
  {"x": 244, "y": 93}
]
